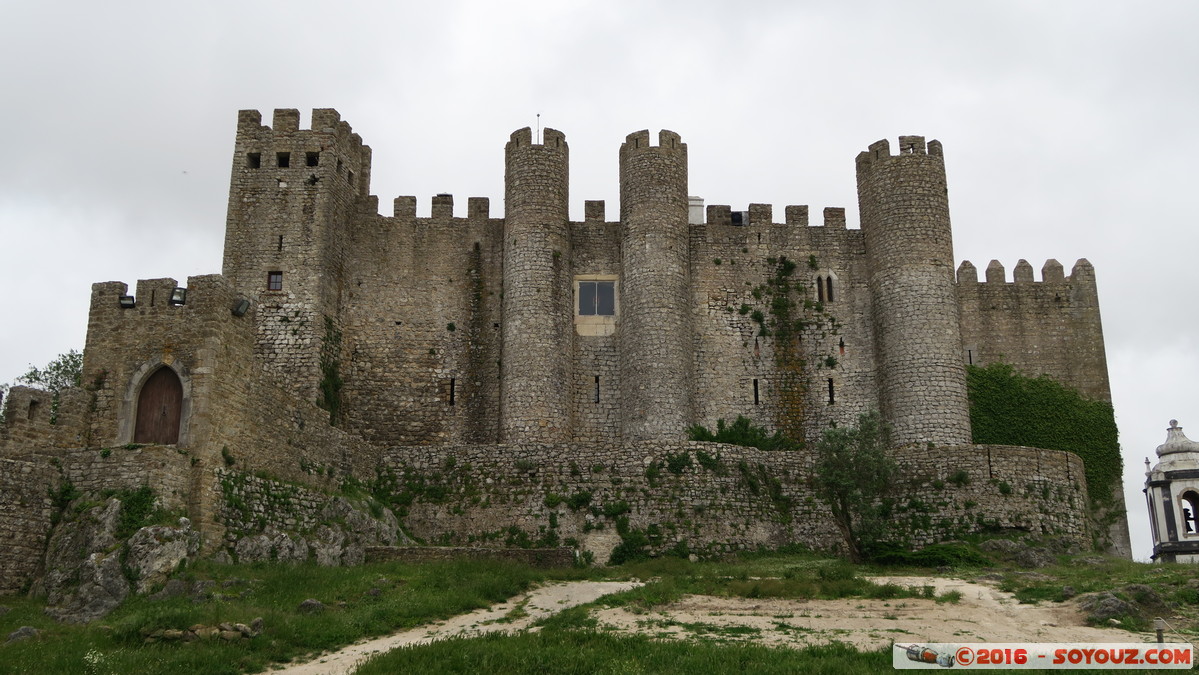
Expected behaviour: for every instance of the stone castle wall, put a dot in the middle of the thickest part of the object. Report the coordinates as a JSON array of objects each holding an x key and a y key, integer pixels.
[
  {"x": 1049, "y": 327},
  {"x": 731, "y": 354},
  {"x": 26, "y": 517},
  {"x": 458, "y": 330},
  {"x": 422, "y": 323},
  {"x": 713, "y": 498},
  {"x": 441, "y": 337},
  {"x": 165, "y": 469},
  {"x": 595, "y": 249},
  {"x": 292, "y": 193},
  {"x": 33, "y": 422}
]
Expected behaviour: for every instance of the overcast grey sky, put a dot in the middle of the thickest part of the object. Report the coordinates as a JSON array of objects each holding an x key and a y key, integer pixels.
[{"x": 1068, "y": 129}]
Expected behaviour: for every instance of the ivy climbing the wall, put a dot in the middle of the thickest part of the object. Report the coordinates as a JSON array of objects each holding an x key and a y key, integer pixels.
[{"x": 1007, "y": 408}]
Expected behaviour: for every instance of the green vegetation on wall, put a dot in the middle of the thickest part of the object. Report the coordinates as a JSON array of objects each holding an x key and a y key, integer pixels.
[
  {"x": 743, "y": 432},
  {"x": 331, "y": 381},
  {"x": 788, "y": 313},
  {"x": 1007, "y": 408}
]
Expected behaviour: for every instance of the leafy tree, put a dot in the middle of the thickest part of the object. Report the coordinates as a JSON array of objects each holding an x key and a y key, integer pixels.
[
  {"x": 853, "y": 474},
  {"x": 64, "y": 371}
]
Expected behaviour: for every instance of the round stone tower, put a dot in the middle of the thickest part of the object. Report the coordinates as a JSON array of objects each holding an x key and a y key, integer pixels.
[
  {"x": 904, "y": 209},
  {"x": 654, "y": 322},
  {"x": 538, "y": 302}
]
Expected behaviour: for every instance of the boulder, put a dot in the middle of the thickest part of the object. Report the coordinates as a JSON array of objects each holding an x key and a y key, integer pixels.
[
  {"x": 102, "y": 587},
  {"x": 1103, "y": 607},
  {"x": 328, "y": 546},
  {"x": 92, "y": 531},
  {"x": 22, "y": 633},
  {"x": 172, "y": 589},
  {"x": 271, "y": 545},
  {"x": 157, "y": 551},
  {"x": 1033, "y": 558}
]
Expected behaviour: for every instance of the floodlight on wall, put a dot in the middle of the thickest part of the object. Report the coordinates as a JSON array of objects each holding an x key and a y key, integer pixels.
[
  {"x": 127, "y": 302},
  {"x": 178, "y": 296},
  {"x": 241, "y": 307}
]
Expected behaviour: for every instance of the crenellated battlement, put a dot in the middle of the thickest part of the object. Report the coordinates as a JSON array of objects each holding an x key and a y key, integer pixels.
[
  {"x": 880, "y": 151},
  {"x": 763, "y": 215},
  {"x": 640, "y": 140},
  {"x": 477, "y": 208},
  {"x": 550, "y": 139},
  {"x": 1052, "y": 272},
  {"x": 286, "y": 122},
  {"x": 328, "y": 149},
  {"x": 210, "y": 296}
]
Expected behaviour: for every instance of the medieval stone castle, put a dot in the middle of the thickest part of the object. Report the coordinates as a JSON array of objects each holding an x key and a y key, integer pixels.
[{"x": 508, "y": 360}]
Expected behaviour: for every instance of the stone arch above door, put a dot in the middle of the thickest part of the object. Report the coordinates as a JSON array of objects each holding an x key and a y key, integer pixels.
[
  {"x": 156, "y": 405},
  {"x": 159, "y": 409}
]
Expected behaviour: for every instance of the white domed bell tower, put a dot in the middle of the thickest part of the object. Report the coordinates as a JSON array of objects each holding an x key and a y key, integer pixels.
[{"x": 1172, "y": 493}]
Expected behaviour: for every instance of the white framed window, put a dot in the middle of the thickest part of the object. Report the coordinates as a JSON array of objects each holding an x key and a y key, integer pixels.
[{"x": 597, "y": 303}]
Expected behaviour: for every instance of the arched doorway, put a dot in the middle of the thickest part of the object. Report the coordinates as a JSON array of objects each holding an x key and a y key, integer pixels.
[{"x": 159, "y": 408}]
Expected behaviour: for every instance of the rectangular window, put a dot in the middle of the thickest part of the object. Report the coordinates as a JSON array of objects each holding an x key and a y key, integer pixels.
[
  {"x": 274, "y": 281},
  {"x": 283, "y": 159},
  {"x": 312, "y": 158},
  {"x": 253, "y": 160},
  {"x": 597, "y": 298}
]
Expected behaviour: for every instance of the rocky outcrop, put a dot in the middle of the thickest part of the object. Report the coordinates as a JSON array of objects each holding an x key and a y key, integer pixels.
[
  {"x": 102, "y": 588},
  {"x": 229, "y": 632},
  {"x": 153, "y": 553},
  {"x": 22, "y": 633},
  {"x": 301, "y": 524},
  {"x": 90, "y": 571}
]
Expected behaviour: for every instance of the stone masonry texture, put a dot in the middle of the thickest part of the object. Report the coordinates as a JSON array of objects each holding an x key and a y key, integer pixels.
[{"x": 343, "y": 346}]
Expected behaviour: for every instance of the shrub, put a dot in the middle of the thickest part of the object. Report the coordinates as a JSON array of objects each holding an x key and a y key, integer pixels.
[{"x": 742, "y": 432}]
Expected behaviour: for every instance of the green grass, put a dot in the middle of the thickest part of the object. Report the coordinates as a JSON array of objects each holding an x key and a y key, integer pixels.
[
  {"x": 407, "y": 596},
  {"x": 567, "y": 651},
  {"x": 802, "y": 576},
  {"x": 382, "y": 598}
]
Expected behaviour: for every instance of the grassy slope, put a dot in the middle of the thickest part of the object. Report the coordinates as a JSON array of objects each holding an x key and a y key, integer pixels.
[{"x": 378, "y": 599}]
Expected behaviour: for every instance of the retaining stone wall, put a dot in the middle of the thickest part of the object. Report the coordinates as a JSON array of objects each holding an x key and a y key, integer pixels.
[
  {"x": 165, "y": 469},
  {"x": 26, "y": 512},
  {"x": 546, "y": 495},
  {"x": 535, "y": 557}
]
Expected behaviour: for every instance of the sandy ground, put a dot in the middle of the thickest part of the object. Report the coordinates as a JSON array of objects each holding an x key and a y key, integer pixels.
[
  {"x": 984, "y": 614},
  {"x": 525, "y": 609}
]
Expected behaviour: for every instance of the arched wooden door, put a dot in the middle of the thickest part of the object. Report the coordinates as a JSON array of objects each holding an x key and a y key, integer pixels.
[{"x": 159, "y": 407}]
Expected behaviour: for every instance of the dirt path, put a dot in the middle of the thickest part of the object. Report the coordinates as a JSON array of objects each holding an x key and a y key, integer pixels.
[
  {"x": 984, "y": 614},
  {"x": 510, "y": 616}
]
